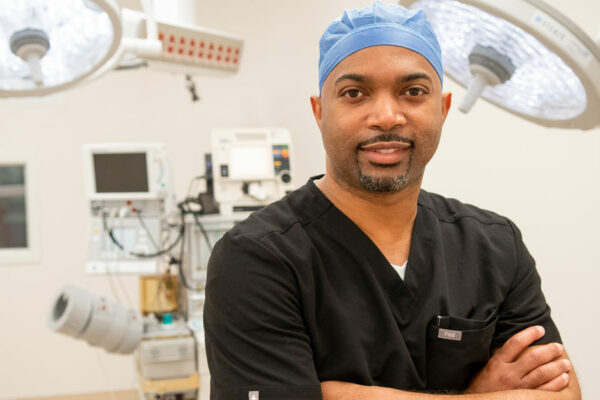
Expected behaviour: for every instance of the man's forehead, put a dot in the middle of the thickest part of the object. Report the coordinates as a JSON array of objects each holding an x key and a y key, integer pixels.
[{"x": 370, "y": 62}]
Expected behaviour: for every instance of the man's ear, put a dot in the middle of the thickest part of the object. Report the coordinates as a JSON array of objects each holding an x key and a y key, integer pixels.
[
  {"x": 446, "y": 103},
  {"x": 315, "y": 102}
]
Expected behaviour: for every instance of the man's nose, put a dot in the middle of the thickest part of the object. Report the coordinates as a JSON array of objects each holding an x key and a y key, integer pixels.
[{"x": 386, "y": 113}]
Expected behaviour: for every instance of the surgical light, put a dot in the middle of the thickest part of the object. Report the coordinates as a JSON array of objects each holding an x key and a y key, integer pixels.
[
  {"x": 47, "y": 45},
  {"x": 50, "y": 45},
  {"x": 521, "y": 55}
]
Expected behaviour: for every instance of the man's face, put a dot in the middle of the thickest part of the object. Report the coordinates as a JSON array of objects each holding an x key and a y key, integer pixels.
[{"x": 380, "y": 114}]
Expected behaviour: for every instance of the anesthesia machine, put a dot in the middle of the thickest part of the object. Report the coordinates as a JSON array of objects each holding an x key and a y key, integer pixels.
[{"x": 137, "y": 227}]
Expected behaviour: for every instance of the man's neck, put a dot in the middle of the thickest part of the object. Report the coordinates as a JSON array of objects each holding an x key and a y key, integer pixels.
[{"x": 387, "y": 218}]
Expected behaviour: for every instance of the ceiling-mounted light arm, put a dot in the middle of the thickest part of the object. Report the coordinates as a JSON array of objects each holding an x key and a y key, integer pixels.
[
  {"x": 185, "y": 48},
  {"x": 151, "y": 26},
  {"x": 142, "y": 47}
]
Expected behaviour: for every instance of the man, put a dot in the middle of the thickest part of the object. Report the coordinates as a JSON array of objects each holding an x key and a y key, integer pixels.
[{"x": 360, "y": 285}]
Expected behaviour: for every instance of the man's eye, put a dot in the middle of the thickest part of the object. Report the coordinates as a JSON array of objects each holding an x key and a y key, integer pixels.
[
  {"x": 352, "y": 93},
  {"x": 415, "y": 92}
]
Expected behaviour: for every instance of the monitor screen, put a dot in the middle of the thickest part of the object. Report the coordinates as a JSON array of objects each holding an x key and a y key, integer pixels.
[
  {"x": 250, "y": 162},
  {"x": 121, "y": 173}
]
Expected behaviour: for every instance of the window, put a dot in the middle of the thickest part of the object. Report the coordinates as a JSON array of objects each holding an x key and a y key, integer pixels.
[
  {"x": 13, "y": 217},
  {"x": 17, "y": 238}
]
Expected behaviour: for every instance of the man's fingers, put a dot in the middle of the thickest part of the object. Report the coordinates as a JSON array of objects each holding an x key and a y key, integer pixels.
[
  {"x": 519, "y": 342},
  {"x": 547, "y": 374},
  {"x": 536, "y": 356},
  {"x": 557, "y": 384}
]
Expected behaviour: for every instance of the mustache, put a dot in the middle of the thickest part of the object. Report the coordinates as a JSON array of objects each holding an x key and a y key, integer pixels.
[{"x": 385, "y": 137}]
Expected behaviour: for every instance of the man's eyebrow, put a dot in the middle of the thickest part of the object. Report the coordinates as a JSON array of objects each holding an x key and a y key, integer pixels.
[
  {"x": 414, "y": 77},
  {"x": 353, "y": 77}
]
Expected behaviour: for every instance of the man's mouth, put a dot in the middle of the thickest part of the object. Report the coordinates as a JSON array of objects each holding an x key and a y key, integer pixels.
[{"x": 385, "y": 153}]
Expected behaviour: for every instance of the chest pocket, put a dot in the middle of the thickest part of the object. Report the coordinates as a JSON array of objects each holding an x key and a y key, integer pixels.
[{"x": 457, "y": 348}]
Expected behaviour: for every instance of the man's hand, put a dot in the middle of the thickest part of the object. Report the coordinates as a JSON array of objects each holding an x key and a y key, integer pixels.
[
  {"x": 512, "y": 370},
  {"x": 518, "y": 366}
]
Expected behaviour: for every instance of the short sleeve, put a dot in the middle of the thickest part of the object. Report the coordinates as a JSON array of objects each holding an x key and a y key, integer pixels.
[
  {"x": 256, "y": 340},
  {"x": 524, "y": 305}
]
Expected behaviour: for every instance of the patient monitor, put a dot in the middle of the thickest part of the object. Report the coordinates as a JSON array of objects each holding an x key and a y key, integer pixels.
[
  {"x": 125, "y": 171},
  {"x": 251, "y": 167},
  {"x": 128, "y": 186}
]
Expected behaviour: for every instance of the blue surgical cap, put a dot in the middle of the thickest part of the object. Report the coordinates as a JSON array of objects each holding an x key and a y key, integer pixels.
[{"x": 378, "y": 24}]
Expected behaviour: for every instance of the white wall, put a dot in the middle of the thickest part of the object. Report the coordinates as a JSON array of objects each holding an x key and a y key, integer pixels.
[{"x": 545, "y": 180}]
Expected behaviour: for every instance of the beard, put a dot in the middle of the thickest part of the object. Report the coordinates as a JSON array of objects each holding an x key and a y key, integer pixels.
[{"x": 388, "y": 184}]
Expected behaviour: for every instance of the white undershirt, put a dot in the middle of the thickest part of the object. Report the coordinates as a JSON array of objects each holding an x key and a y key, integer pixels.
[{"x": 400, "y": 269}]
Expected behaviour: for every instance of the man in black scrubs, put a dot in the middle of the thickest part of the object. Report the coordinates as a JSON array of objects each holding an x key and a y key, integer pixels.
[{"x": 360, "y": 285}]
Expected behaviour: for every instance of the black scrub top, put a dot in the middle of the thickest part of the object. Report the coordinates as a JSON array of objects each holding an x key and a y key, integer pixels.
[{"x": 297, "y": 294}]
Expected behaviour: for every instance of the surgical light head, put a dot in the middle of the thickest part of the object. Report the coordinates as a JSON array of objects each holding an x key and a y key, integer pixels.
[
  {"x": 521, "y": 55},
  {"x": 49, "y": 45}
]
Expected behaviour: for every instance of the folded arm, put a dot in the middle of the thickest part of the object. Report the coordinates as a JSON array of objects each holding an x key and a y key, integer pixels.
[
  {"x": 516, "y": 371},
  {"x": 348, "y": 391}
]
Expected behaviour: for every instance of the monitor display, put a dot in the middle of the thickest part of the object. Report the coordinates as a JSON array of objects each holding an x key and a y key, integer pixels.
[
  {"x": 121, "y": 173},
  {"x": 250, "y": 162}
]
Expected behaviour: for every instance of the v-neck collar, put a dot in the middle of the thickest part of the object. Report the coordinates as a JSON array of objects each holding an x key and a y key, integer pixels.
[
  {"x": 402, "y": 293},
  {"x": 403, "y": 296}
]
